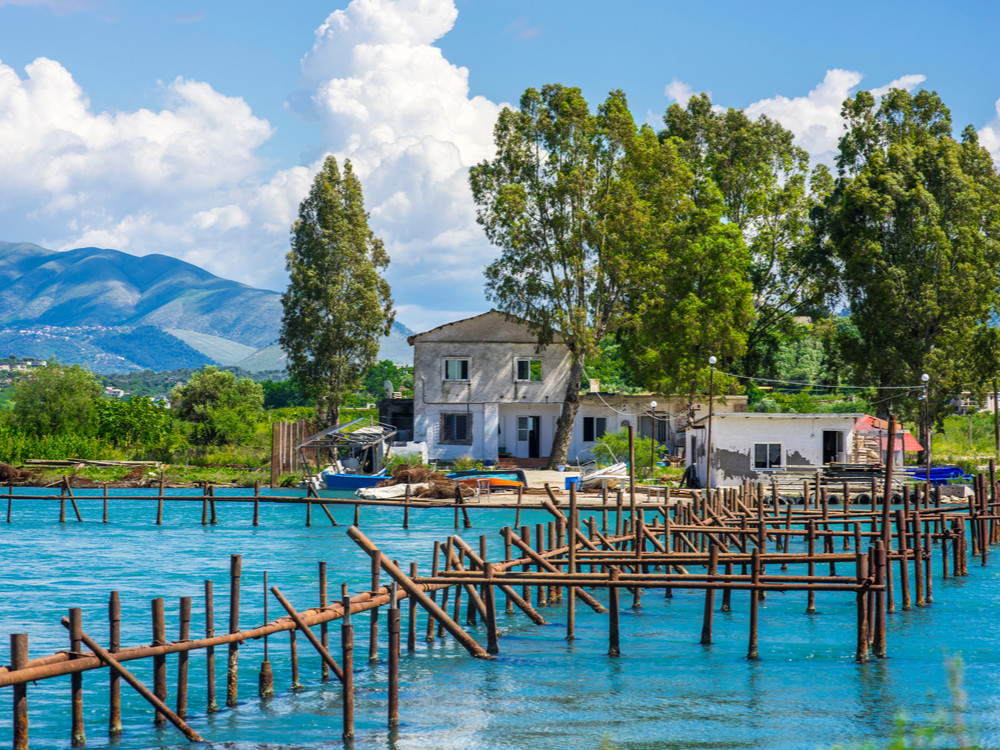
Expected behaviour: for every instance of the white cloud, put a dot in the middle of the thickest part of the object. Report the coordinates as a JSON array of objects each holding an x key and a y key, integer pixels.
[
  {"x": 989, "y": 136},
  {"x": 680, "y": 92},
  {"x": 908, "y": 83},
  {"x": 185, "y": 180},
  {"x": 388, "y": 100}
]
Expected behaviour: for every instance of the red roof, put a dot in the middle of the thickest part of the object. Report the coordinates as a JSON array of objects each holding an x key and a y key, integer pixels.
[
  {"x": 910, "y": 443},
  {"x": 873, "y": 425}
]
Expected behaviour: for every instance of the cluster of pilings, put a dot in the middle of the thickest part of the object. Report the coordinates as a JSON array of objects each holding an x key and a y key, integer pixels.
[{"x": 722, "y": 541}]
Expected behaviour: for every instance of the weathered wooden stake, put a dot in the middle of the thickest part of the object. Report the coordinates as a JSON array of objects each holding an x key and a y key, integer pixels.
[
  {"x": 373, "y": 613},
  {"x": 232, "y": 664},
  {"x": 614, "y": 634},
  {"x": 182, "y": 657},
  {"x": 347, "y": 659},
  {"x": 19, "y": 660},
  {"x": 706, "y": 620},
  {"x": 78, "y": 736},
  {"x": 159, "y": 661},
  {"x": 114, "y": 680},
  {"x": 752, "y": 652},
  {"x": 265, "y": 680},
  {"x": 392, "y": 621}
]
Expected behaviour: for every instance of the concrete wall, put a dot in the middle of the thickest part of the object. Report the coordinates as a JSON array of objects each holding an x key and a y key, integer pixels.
[{"x": 735, "y": 435}]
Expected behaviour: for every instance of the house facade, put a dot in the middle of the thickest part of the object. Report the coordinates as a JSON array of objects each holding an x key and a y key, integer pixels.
[
  {"x": 484, "y": 388},
  {"x": 755, "y": 446}
]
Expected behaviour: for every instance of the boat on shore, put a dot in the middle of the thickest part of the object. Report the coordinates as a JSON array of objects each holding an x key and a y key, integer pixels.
[
  {"x": 609, "y": 476},
  {"x": 354, "y": 455},
  {"x": 494, "y": 479}
]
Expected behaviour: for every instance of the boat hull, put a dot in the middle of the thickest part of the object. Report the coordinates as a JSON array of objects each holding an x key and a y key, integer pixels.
[{"x": 352, "y": 482}]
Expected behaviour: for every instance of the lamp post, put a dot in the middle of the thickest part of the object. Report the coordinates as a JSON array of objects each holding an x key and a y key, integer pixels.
[
  {"x": 927, "y": 428},
  {"x": 652, "y": 439},
  {"x": 711, "y": 401}
]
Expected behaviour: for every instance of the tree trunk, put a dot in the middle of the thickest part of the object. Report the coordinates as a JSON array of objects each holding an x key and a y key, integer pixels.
[{"x": 571, "y": 405}]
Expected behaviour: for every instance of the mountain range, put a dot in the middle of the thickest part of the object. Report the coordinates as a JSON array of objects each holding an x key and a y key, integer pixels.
[{"x": 114, "y": 312}]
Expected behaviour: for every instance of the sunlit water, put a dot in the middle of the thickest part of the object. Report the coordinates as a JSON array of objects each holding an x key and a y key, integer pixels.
[{"x": 665, "y": 691}]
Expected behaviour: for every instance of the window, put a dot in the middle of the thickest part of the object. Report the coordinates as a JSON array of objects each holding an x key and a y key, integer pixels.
[
  {"x": 529, "y": 369},
  {"x": 767, "y": 455},
  {"x": 594, "y": 428},
  {"x": 456, "y": 427},
  {"x": 456, "y": 369}
]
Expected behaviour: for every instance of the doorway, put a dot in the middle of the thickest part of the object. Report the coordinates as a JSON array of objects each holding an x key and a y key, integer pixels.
[
  {"x": 833, "y": 446},
  {"x": 529, "y": 437}
]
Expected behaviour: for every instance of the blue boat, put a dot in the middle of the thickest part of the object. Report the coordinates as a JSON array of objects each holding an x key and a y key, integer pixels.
[{"x": 351, "y": 482}]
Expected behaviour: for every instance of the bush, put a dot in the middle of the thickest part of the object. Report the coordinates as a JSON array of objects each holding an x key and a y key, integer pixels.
[
  {"x": 466, "y": 463},
  {"x": 613, "y": 447}
]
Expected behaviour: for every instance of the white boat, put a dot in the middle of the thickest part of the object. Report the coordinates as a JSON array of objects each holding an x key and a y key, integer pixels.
[{"x": 609, "y": 476}]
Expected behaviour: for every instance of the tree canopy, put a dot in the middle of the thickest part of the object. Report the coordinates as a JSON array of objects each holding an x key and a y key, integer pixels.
[
  {"x": 56, "y": 400},
  {"x": 915, "y": 221},
  {"x": 337, "y": 304},
  {"x": 224, "y": 409}
]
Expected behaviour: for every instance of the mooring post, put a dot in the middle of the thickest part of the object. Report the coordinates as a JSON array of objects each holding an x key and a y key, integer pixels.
[
  {"x": 211, "y": 503},
  {"x": 811, "y": 542},
  {"x": 541, "y": 592},
  {"x": 159, "y": 661},
  {"x": 411, "y": 620},
  {"x": 182, "y": 657},
  {"x": 918, "y": 558},
  {"x": 928, "y": 584},
  {"x": 517, "y": 513},
  {"x": 62, "y": 502},
  {"x": 78, "y": 736},
  {"x": 373, "y": 612},
  {"x": 904, "y": 564},
  {"x": 309, "y": 510},
  {"x": 10, "y": 499},
  {"x": 204, "y": 504},
  {"x": 159, "y": 510},
  {"x": 324, "y": 630},
  {"x": 211, "y": 704},
  {"x": 490, "y": 598},
  {"x": 435, "y": 562},
  {"x": 232, "y": 665},
  {"x": 614, "y": 633},
  {"x": 19, "y": 660},
  {"x": 347, "y": 659},
  {"x": 861, "y": 566},
  {"x": 114, "y": 680},
  {"x": 879, "y": 645},
  {"x": 713, "y": 569},
  {"x": 752, "y": 652},
  {"x": 265, "y": 680},
  {"x": 357, "y": 515},
  {"x": 256, "y": 506},
  {"x": 392, "y": 621},
  {"x": 727, "y": 593}
]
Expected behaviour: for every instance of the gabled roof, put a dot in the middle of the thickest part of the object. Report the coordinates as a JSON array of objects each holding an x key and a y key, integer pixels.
[{"x": 488, "y": 327}]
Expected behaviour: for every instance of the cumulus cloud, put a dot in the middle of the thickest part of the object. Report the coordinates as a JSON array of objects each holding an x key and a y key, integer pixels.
[
  {"x": 680, "y": 92},
  {"x": 185, "y": 180},
  {"x": 388, "y": 100},
  {"x": 989, "y": 136}
]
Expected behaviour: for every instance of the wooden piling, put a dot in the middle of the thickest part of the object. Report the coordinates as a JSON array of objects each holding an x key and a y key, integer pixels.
[
  {"x": 373, "y": 613},
  {"x": 324, "y": 629},
  {"x": 114, "y": 679},
  {"x": 752, "y": 652},
  {"x": 78, "y": 737},
  {"x": 182, "y": 657},
  {"x": 160, "y": 660},
  {"x": 614, "y": 634},
  {"x": 19, "y": 660},
  {"x": 904, "y": 564},
  {"x": 232, "y": 663},
  {"x": 489, "y": 597},
  {"x": 861, "y": 568},
  {"x": 411, "y": 620},
  {"x": 211, "y": 704},
  {"x": 429, "y": 636},
  {"x": 393, "y": 624},
  {"x": 265, "y": 678},
  {"x": 706, "y": 621},
  {"x": 347, "y": 659}
]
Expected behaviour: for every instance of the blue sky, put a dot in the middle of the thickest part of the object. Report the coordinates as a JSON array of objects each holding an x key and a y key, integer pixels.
[{"x": 193, "y": 129}]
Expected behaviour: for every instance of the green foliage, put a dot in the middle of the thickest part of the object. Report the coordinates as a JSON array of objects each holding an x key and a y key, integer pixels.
[
  {"x": 766, "y": 194},
  {"x": 16, "y": 446},
  {"x": 222, "y": 408},
  {"x": 137, "y": 420},
  {"x": 915, "y": 222},
  {"x": 465, "y": 463},
  {"x": 609, "y": 366},
  {"x": 613, "y": 447},
  {"x": 337, "y": 304},
  {"x": 282, "y": 394},
  {"x": 374, "y": 380},
  {"x": 56, "y": 400},
  {"x": 412, "y": 459}
]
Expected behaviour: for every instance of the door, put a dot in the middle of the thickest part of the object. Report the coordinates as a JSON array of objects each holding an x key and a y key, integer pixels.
[
  {"x": 528, "y": 437},
  {"x": 833, "y": 446}
]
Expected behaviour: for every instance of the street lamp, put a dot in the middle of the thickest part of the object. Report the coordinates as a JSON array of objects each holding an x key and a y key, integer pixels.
[
  {"x": 652, "y": 439},
  {"x": 927, "y": 428},
  {"x": 711, "y": 400}
]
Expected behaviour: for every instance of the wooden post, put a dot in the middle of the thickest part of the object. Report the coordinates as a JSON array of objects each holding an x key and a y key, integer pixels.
[
  {"x": 811, "y": 541},
  {"x": 211, "y": 503},
  {"x": 411, "y": 620},
  {"x": 573, "y": 523},
  {"x": 19, "y": 660},
  {"x": 265, "y": 679},
  {"x": 392, "y": 620},
  {"x": 159, "y": 508},
  {"x": 490, "y": 598},
  {"x": 429, "y": 636},
  {"x": 904, "y": 575},
  {"x": 232, "y": 664},
  {"x": 114, "y": 679},
  {"x": 614, "y": 635},
  {"x": 324, "y": 630},
  {"x": 78, "y": 736},
  {"x": 159, "y": 661},
  {"x": 301, "y": 625},
  {"x": 182, "y": 657},
  {"x": 861, "y": 566},
  {"x": 256, "y": 504},
  {"x": 752, "y": 652},
  {"x": 918, "y": 559},
  {"x": 878, "y": 640},
  {"x": 706, "y": 620},
  {"x": 211, "y": 705},
  {"x": 373, "y": 612},
  {"x": 347, "y": 659}
]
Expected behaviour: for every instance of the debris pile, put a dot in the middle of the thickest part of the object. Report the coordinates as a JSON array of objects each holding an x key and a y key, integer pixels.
[{"x": 427, "y": 483}]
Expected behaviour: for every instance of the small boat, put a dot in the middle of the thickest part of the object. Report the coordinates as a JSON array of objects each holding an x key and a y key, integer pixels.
[
  {"x": 609, "y": 476},
  {"x": 495, "y": 479},
  {"x": 339, "y": 480}
]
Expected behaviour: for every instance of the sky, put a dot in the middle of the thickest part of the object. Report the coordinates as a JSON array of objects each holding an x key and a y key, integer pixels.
[{"x": 194, "y": 128}]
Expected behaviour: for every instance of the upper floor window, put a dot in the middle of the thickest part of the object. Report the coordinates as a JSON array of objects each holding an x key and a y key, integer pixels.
[
  {"x": 456, "y": 369},
  {"x": 529, "y": 369}
]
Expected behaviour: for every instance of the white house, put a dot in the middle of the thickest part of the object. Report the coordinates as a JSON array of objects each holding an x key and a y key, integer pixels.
[
  {"x": 482, "y": 387},
  {"x": 754, "y": 446}
]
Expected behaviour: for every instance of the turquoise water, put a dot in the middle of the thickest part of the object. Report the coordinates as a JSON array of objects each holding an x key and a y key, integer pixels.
[{"x": 665, "y": 691}]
